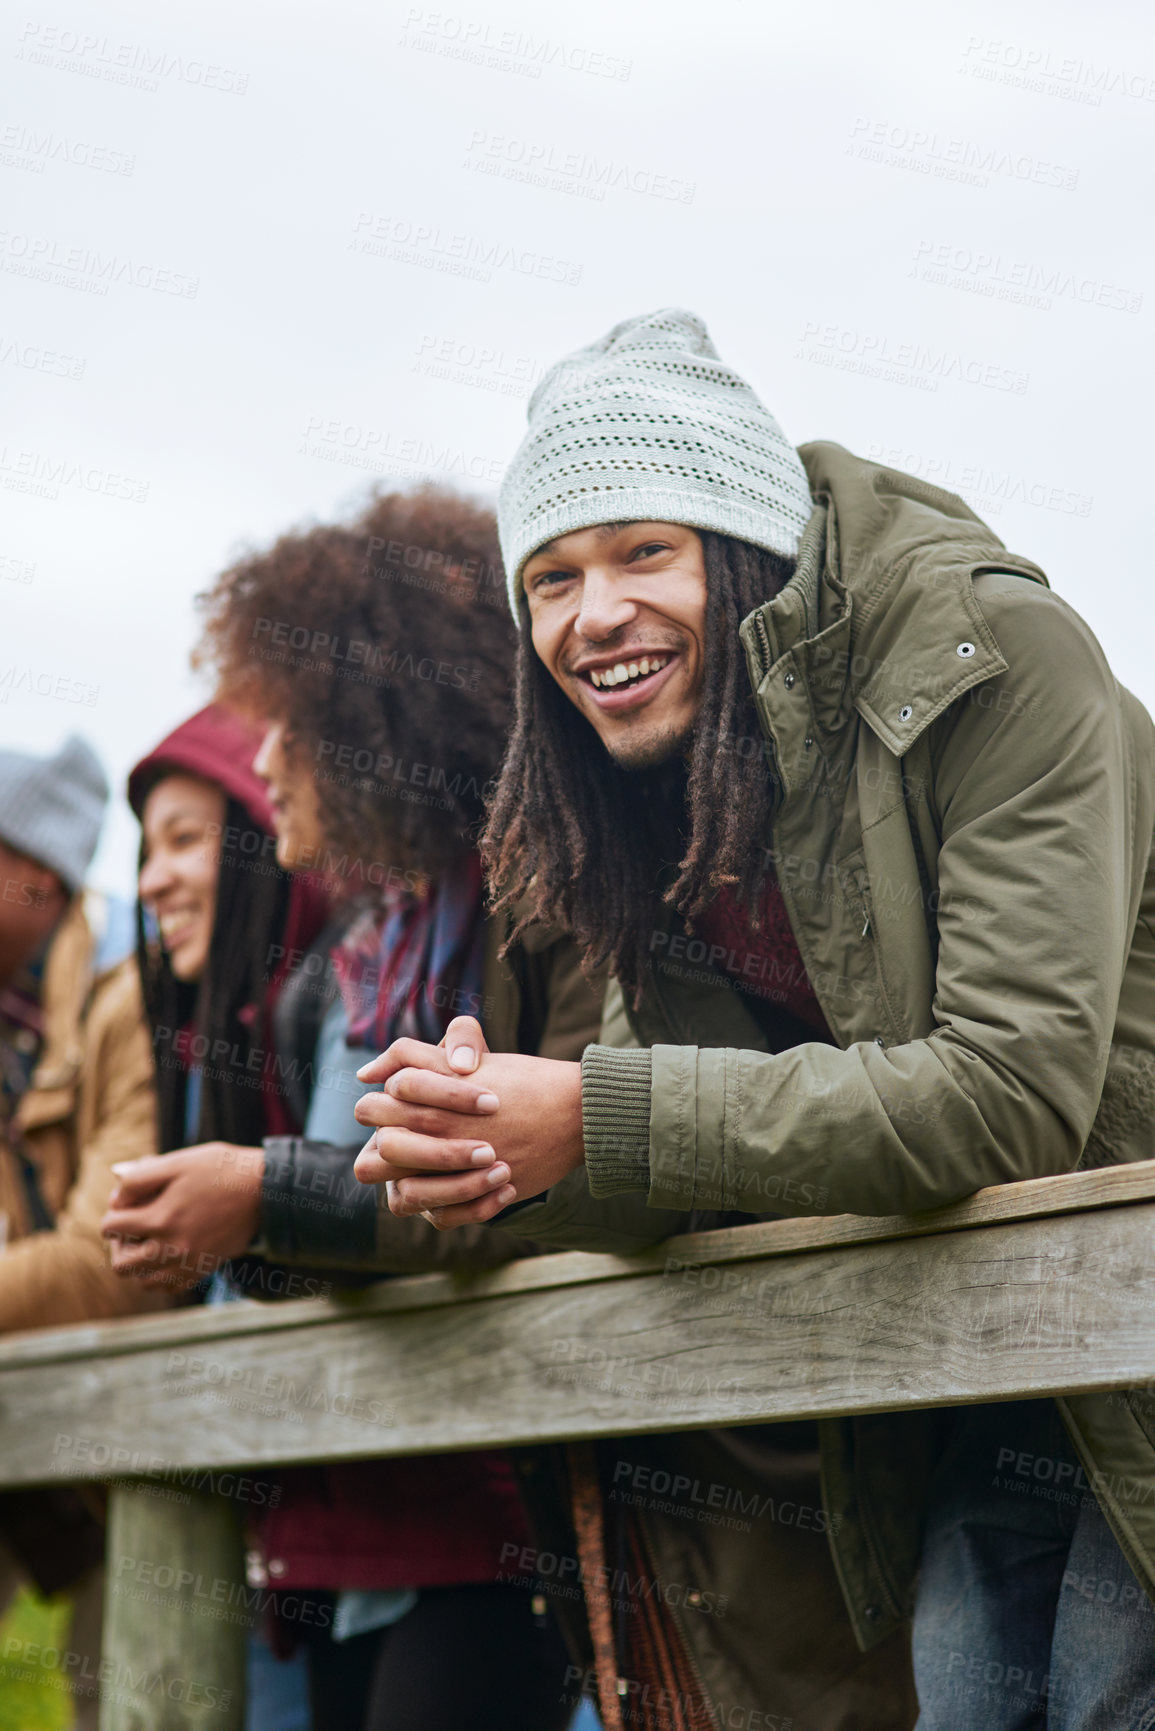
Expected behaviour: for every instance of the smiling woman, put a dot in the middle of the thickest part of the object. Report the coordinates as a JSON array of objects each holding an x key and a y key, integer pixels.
[
  {"x": 293, "y": 797},
  {"x": 181, "y": 826},
  {"x": 215, "y": 908}
]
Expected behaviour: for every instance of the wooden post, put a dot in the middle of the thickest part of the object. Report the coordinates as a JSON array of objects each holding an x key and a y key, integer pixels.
[{"x": 176, "y": 1615}]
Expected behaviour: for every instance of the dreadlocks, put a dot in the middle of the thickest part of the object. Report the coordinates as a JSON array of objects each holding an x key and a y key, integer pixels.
[{"x": 594, "y": 846}]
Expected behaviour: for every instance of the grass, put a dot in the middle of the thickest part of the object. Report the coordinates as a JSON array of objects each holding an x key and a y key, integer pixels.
[{"x": 31, "y": 1695}]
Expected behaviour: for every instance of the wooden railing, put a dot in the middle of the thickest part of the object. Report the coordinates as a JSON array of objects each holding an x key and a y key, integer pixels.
[{"x": 1024, "y": 1289}]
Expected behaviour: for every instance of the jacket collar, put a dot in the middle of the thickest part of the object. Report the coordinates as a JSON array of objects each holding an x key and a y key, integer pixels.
[{"x": 880, "y": 614}]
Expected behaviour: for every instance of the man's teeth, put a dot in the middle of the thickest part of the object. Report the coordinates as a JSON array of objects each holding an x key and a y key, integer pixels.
[{"x": 626, "y": 670}]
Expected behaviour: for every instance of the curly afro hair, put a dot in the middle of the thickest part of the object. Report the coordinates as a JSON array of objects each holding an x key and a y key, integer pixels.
[{"x": 386, "y": 648}]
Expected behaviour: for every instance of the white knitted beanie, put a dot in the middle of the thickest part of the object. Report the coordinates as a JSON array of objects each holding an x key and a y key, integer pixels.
[{"x": 648, "y": 423}]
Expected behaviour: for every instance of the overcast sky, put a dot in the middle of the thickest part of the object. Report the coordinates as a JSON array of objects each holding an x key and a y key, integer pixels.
[{"x": 252, "y": 255}]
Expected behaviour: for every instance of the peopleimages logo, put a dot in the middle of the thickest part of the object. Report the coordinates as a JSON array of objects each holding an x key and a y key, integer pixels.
[
  {"x": 80, "y": 267},
  {"x": 483, "y": 366},
  {"x": 484, "y": 44},
  {"x": 926, "y": 151},
  {"x": 922, "y": 366},
  {"x": 383, "y": 452},
  {"x": 1020, "y": 281},
  {"x": 474, "y": 257},
  {"x": 989, "y": 490},
  {"x": 32, "y": 358},
  {"x": 539, "y": 162},
  {"x": 25, "y": 147},
  {"x": 39, "y": 473},
  {"x": 277, "y": 1395},
  {"x": 134, "y": 64},
  {"x": 1027, "y": 66},
  {"x": 40, "y": 682}
]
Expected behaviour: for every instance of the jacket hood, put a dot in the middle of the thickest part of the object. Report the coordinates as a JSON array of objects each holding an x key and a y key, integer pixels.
[
  {"x": 881, "y": 614},
  {"x": 884, "y": 513},
  {"x": 216, "y": 744}
]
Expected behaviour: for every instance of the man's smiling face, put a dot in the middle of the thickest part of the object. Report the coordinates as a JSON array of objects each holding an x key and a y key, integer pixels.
[{"x": 618, "y": 617}]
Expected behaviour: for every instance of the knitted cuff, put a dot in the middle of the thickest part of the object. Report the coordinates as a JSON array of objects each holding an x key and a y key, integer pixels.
[{"x": 616, "y": 1119}]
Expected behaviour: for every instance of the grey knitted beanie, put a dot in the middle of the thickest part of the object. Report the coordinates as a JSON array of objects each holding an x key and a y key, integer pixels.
[
  {"x": 51, "y": 808},
  {"x": 648, "y": 423}
]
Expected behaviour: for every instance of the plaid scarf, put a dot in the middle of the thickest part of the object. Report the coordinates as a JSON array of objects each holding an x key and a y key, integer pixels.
[{"x": 407, "y": 967}]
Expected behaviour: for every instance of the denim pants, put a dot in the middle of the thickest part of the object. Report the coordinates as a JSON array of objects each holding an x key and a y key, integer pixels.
[
  {"x": 276, "y": 1690},
  {"x": 1028, "y": 1615}
]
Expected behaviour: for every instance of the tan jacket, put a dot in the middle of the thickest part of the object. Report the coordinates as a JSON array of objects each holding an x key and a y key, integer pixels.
[{"x": 91, "y": 1102}]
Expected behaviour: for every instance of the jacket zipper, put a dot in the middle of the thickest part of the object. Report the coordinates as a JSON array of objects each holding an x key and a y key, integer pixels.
[
  {"x": 860, "y": 881},
  {"x": 862, "y": 885},
  {"x": 687, "y": 1650},
  {"x": 763, "y": 637}
]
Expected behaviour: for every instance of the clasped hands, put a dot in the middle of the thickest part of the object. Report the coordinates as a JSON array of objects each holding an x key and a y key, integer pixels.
[{"x": 461, "y": 1132}]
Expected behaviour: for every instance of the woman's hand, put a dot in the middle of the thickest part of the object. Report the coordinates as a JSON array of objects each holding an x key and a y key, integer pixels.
[{"x": 174, "y": 1218}]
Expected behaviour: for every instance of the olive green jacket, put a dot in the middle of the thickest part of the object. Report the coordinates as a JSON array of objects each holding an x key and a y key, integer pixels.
[{"x": 964, "y": 845}]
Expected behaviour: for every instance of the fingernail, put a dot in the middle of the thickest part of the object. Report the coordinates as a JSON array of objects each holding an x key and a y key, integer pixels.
[
  {"x": 121, "y": 1168},
  {"x": 487, "y": 1102},
  {"x": 361, "y": 1072},
  {"x": 499, "y": 1175},
  {"x": 463, "y": 1058},
  {"x": 508, "y": 1195},
  {"x": 482, "y": 1155}
]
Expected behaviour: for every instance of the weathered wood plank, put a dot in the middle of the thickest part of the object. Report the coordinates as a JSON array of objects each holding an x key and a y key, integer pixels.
[
  {"x": 1030, "y": 1199},
  {"x": 173, "y": 1651},
  {"x": 1036, "y": 1198},
  {"x": 1029, "y": 1308}
]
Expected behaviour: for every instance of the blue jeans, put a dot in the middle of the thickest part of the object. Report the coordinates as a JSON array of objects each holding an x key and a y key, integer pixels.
[
  {"x": 276, "y": 1690},
  {"x": 1028, "y": 1615}
]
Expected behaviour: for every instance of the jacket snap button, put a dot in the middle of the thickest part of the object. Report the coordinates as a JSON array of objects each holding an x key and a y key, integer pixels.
[
  {"x": 879, "y": 1041},
  {"x": 276, "y": 1566},
  {"x": 808, "y": 742},
  {"x": 872, "y": 1613},
  {"x": 966, "y": 650},
  {"x": 788, "y": 681},
  {"x": 905, "y": 712},
  {"x": 694, "y": 1598}
]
